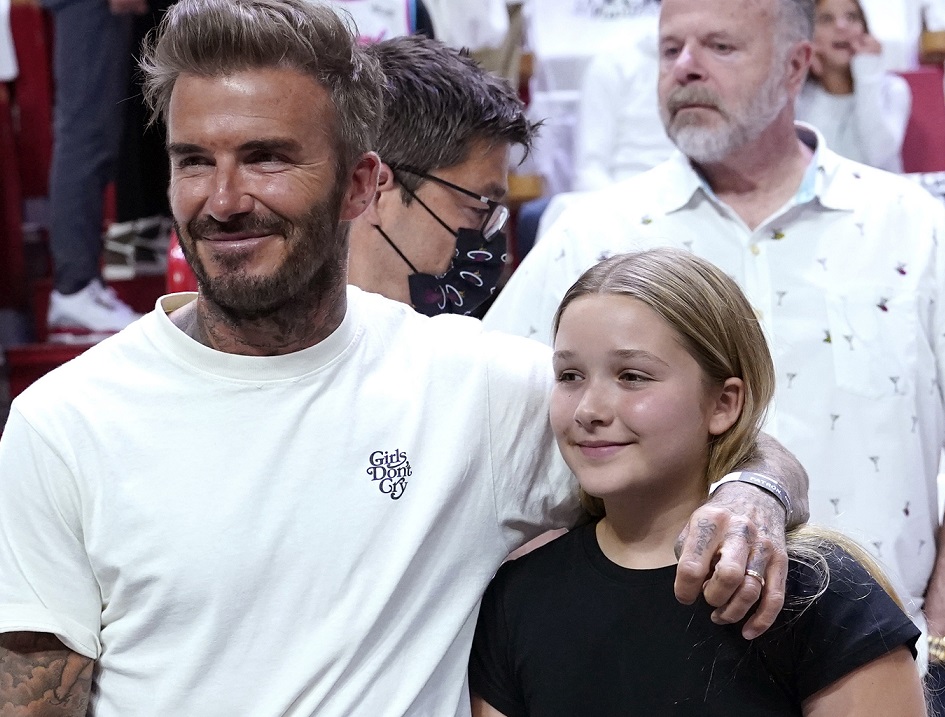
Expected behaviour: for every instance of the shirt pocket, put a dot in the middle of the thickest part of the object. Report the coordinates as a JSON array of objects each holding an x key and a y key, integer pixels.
[{"x": 873, "y": 335}]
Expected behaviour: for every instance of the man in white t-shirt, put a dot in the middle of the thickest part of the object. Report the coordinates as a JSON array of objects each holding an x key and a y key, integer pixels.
[
  {"x": 844, "y": 263},
  {"x": 282, "y": 495},
  {"x": 618, "y": 133}
]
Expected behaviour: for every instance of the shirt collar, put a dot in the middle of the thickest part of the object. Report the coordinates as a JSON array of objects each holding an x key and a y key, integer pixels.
[
  {"x": 825, "y": 179},
  {"x": 833, "y": 181}
]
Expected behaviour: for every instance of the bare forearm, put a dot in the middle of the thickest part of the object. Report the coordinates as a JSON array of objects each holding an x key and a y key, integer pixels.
[
  {"x": 40, "y": 677},
  {"x": 779, "y": 464}
]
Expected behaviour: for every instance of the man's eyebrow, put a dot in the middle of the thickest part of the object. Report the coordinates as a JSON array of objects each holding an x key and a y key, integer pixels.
[
  {"x": 724, "y": 35},
  {"x": 179, "y": 148},
  {"x": 275, "y": 144},
  {"x": 492, "y": 190},
  {"x": 495, "y": 191}
]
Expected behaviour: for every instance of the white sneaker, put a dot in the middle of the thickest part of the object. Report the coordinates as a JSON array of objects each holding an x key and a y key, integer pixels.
[{"x": 87, "y": 316}]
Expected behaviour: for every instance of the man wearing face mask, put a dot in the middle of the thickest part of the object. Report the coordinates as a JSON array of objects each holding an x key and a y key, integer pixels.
[{"x": 432, "y": 236}]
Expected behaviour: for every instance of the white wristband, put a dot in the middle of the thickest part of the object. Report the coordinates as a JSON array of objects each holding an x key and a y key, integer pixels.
[{"x": 763, "y": 482}]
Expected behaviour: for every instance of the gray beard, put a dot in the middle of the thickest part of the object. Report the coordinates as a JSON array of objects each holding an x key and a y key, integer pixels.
[{"x": 708, "y": 145}]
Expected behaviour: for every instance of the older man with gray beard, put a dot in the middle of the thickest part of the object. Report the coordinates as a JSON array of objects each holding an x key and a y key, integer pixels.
[{"x": 841, "y": 261}]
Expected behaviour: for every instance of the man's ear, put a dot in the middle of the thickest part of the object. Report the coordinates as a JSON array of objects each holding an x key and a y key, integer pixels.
[
  {"x": 362, "y": 186},
  {"x": 799, "y": 62},
  {"x": 727, "y": 406},
  {"x": 386, "y": 186},
  {"x": 385, "y": 179}
]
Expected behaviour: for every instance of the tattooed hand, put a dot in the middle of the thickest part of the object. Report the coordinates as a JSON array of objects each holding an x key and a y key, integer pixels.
[
  {"x": 41, "y": 676},
  {"x": 740, "y": 528}
]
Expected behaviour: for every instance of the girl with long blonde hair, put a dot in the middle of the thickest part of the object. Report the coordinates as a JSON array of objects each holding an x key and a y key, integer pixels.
[{"x": 663, "y": 377}]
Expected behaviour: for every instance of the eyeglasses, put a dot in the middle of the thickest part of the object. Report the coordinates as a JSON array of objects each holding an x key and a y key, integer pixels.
[{"x": 493, "y": 222}]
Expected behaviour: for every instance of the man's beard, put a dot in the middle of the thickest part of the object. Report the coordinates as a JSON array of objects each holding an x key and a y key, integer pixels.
[
  {"x": 314, "y": 264},
  {"x": 707, "y": 144}
]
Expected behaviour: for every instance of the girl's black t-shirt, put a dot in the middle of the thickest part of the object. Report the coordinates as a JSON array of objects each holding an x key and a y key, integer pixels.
[{"x": 565, "y": 632}]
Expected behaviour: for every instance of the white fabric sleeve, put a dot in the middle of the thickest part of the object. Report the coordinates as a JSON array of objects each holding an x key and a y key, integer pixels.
[
  {"x": 534, "y": 489},
  {"x": 596, "y": 130},
  {"x": 882, "y": 103},
  {"x": 934, "y": 15},
  {"x": 8, "y": 67},
  {"x": 938, "y": 307},
  {"x": 557, "y": 207},
  {"x": 473, "y": 25},
  {"x": 46, "y": 581}
]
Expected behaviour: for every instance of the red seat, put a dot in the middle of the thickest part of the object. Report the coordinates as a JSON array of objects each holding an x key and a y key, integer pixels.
[
  {"x": 179, "y": 275},
  {"x": 32, "y": 35},
  {"x": 923, "y": 149},
  {"x": 13, "y": 292}
]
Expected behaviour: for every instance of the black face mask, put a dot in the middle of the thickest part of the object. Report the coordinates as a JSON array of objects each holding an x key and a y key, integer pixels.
[{"x": 472, "y": 276}]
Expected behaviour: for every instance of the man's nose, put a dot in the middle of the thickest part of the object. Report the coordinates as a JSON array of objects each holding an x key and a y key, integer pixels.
[
  {"x": 228, "y": 197},
  {"x": 687, "y": 68}
]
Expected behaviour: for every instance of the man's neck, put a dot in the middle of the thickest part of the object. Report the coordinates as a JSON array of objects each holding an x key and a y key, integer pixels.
[
  {"x": 758, "y": 179},
  {"x": 293, "y": 328},
  {"x": 372, "y": 263}
]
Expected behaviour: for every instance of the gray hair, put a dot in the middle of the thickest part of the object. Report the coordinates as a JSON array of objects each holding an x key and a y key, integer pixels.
[
  {"x": 796, "y": 18},
  {"x": 211, "y": 38},
  {"x": 438, "y": 102}
]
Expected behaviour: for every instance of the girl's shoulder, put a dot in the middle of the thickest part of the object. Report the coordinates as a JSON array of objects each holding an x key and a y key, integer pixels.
[{"x": 828, "y": 567}]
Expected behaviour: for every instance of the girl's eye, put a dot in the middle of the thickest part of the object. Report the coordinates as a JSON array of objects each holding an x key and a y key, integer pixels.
[
  {"x": 567, "y": 376},
  {"x": 632, "y": 377}
]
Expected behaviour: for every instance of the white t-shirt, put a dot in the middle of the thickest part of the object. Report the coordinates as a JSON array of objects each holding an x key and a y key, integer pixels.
[
  {"x": 378, "y": 20},
  {"x": 849, "y": 280},
  {"x": 475, "y": 25},
  {"x": 307, "y": 534},
  {"x": 564, "y": 37},
  {"x": 619, "y": 132},
  {"x": 868, "y": 125},
  {"x": 898, "y": 27}
]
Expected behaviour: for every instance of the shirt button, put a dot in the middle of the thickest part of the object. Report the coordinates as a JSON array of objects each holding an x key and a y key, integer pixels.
[{"x": 755, "y": 249}]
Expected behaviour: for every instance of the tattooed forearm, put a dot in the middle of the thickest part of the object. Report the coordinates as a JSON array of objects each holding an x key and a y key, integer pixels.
[
  {"x": 39, "y": 676},
  {"x": 778, "y": 463}
]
